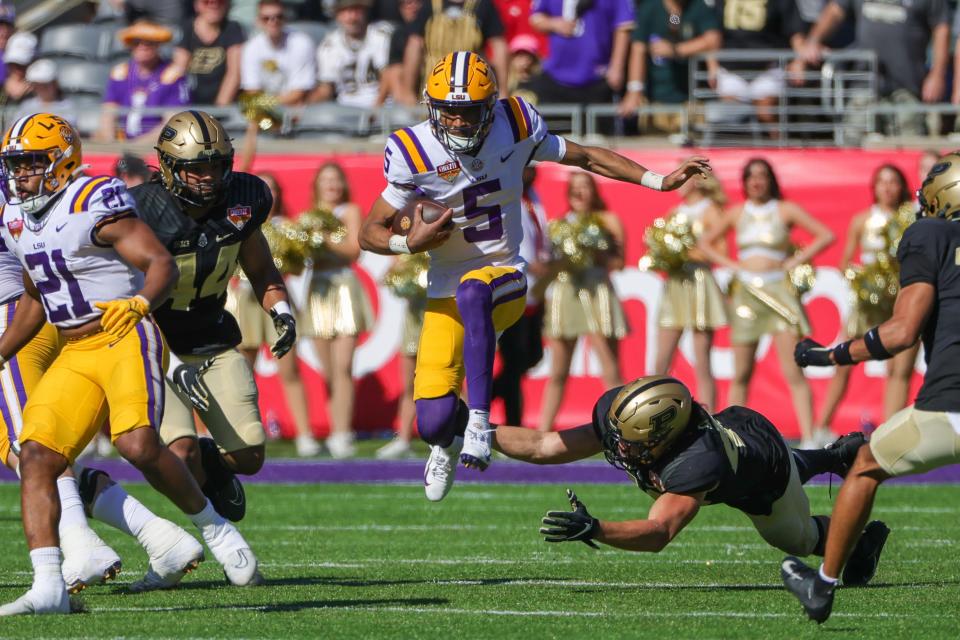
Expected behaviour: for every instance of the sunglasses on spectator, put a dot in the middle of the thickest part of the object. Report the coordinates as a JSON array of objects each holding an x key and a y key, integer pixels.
[
  {"x": 271, "y": 17},
  {"x": 133, "y": 44}
]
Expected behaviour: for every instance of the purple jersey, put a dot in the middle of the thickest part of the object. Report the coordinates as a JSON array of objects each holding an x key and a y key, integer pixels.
[
  {"x": 165, "y": 86},
  {"x": 583, "y": 58}
]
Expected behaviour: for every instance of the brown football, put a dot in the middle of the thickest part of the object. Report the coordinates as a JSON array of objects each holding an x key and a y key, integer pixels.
[{"x": 404, "y": 218}]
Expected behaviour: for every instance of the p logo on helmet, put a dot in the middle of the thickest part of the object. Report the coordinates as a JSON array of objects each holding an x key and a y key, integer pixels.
[{"x": 51, "y": 145}]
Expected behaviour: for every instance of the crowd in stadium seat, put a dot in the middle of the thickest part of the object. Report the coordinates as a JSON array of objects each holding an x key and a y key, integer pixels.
[{"x": 367, "y": 53}]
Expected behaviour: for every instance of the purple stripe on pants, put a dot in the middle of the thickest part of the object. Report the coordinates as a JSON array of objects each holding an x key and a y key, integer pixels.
[
  {"x": 15, "y": 366},
  {"x": 519, "y": 293},
  {"x": 158, "y": 353},
  {"x": 145, "y": 356},
  {"x": 496, "y": 282}
]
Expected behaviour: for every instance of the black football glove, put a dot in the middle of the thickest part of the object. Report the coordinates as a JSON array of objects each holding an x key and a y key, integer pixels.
[
  {"x": 809, "y": 353},
  {"x": 188, "y": 379},
  {"x": 570, "y": 526},
  {"x": 286, "y": 327}
]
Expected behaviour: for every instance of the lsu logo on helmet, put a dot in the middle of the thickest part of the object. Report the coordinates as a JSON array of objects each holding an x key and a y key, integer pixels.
[
  {"x": 461, "y": 93},
  {"x": 39, "y": 144}
]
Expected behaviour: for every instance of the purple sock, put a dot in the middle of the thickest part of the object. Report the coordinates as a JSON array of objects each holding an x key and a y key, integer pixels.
[{"x": 475, "y": 303}]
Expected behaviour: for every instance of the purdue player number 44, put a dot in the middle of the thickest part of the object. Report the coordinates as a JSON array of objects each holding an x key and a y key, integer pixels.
[
  {"x": 469, "y": 155},
  {"x": 209, "y": 218},
  {"x": 923, "y": 436}
]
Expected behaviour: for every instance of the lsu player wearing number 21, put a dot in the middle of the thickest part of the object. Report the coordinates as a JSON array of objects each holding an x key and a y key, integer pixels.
[
  {"x": 469, "y": 155},
  {"x": 94, "y": 270}
]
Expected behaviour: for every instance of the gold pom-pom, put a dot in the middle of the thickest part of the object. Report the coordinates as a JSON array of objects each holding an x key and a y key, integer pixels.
[
  {"x": 321, "y": 229},
  {"x": 287, "y": 245},
  {"x": 407, "y": 278},
  {"x": 580, "y": 242},
  {"x": 668, "y": 241}
]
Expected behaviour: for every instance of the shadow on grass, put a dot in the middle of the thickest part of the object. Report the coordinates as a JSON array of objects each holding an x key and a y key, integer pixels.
[{"x": 78, "y": 606}]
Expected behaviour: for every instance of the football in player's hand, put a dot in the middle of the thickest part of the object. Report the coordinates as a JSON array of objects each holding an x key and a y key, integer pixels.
[{"x": 403, "y": 221}]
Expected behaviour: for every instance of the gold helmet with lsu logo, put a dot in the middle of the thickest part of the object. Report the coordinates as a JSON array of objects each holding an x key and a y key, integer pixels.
[
  {"x": 195, "y": 141},
  {"x": 939, "y": 195},
  {"x": 461, "y": 93},
  {"x": 645, "y": 418},
  {"x": 39, "y": 144}
]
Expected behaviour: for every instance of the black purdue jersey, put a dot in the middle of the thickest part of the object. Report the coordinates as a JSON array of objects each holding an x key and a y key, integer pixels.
[
  {"x": 207, "y": 250},
  {"x": 739, "y": 459},
  {"x": 930, "y": 252}
]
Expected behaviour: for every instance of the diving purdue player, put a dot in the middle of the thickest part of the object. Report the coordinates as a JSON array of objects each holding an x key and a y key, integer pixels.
[
  {"x": 469, "y": 155},
  {"x": 685, "y": 458},
  {"x": 93, "y": 270},
  {"x": 925, "y": 435},
  {"x": 209, "y": 218}
]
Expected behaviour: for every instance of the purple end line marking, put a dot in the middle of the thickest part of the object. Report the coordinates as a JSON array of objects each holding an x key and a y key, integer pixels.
[{"x": 411, "y": 471}]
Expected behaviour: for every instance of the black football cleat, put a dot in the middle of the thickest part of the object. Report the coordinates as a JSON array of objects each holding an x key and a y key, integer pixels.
[
  {"x": 846, "y": 448},
  {"x": 814, "y": 593},
  {"x": 222, "y": 487},
  {"x": 863, "y": 562}
]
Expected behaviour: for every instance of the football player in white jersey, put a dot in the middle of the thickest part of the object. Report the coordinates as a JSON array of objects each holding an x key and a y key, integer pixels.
[
  {"x": 86, "y": 558},
  {"x": 469, "y": 155},
  {"x": 94, "y": 270}
]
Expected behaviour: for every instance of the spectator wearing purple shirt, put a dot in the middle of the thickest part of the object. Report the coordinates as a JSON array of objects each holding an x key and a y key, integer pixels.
[
  {"x": 589, "y": 42},
  {"x": 146, "y": 80}
]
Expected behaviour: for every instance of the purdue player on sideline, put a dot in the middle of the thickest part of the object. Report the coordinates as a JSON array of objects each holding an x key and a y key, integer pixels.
[
  {"x": 94, "y": 270},
  {"x": 685, "y": 458},
  {"x": 469, "y": 155},
  {"x": 86, "y": 558},
  {"x": 921, "y": 437},
  {"x": 209, "y": 218}
]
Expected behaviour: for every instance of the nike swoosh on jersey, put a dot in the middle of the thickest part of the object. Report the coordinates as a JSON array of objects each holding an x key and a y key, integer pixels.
[
  {"x": 60, "y": 226},
  {"x": 507, "y": 157},
  {"x": 224, "y": 237}
]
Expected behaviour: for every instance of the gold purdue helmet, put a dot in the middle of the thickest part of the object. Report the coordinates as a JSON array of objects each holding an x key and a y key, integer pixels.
[
  {"x": 194, "y": 140},
  {"x": 645, "y": 418},
  {"x": 939, "y": 195},
  {"x": 462, "y": 85},
  {"x": 39, "y": 144}
]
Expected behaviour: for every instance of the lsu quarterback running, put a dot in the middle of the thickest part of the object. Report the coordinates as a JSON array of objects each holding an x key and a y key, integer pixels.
[
  {"x": 469, "y": 155},
  {"x": 94, "y": 270}
]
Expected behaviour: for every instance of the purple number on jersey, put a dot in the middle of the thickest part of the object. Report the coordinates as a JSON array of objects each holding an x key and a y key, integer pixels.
[
  {"x": 51, "y": 283},
  {"x": 471, "y": 210}
]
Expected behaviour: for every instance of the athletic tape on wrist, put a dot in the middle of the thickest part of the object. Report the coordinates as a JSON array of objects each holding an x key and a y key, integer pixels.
[
  {"x": 398, "y": 244},
  {"x": 652, "y": 180}
]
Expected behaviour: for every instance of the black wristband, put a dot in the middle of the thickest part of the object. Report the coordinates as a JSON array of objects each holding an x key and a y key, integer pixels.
[
  {"x": 875, "y": 346},
  {"x": 841, "y": 353}
]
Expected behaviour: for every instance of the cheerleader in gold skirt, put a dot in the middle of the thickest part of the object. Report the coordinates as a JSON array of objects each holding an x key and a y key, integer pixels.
[
  {"x": 763, "y": 300},
  {"x": 336, "y": 310},
  {"x": 582, "y": 302},
  {"x": 256, "y": 329},
  {"x": 691, "y": 299},
  {"x": 869, "y": 232}
]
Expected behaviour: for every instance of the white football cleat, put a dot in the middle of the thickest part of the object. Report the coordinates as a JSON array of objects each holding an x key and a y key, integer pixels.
[
  {"x": 173, "y": 554},
  {"x": 441, "y": 470},
  {"x": 87, "y": 559},
  {"x": 40, "y": 602},
  {"x": 233, "y": 553},
  {"x": 477, "y": 449}
]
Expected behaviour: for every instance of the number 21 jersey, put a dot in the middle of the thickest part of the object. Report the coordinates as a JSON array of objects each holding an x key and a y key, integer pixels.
[
  {"x": 483, "y": 190},
  {"x": 60, "y": 251}
]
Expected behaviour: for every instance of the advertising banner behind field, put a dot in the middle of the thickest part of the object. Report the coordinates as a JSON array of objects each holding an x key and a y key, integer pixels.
[{"x": 833, "y": 185}]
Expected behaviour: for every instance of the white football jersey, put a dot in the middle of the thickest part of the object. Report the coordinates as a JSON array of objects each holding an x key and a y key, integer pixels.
[
  {"x": 11, "y": 274},
  {"x": 483, "y": 190},
  {"x": 60, "y": 252},
  {"x": 354, "y": 66}
]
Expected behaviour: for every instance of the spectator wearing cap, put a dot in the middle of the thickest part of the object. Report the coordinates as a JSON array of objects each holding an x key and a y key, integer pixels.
[
  {"x": 210, "y": 51},
  {"x": 278, "y": 61},
  {"x": 515, "y": 15},
  {"x": 667, "y": 34},
  {"x": 524, "y": 62},
  {"x": 589, "y": 42},
  {"x": 17, "y": 56},
  {"x": 132, "y": 170},
  {"x": 352, "y": 58},
  {"x": 145, "y": 81},
  {"x": 47, "y": 97}
]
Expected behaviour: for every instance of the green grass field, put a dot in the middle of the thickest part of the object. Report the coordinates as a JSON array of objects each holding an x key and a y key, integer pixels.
[{"x": 363, "y": 561}]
